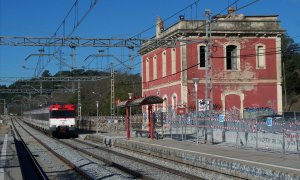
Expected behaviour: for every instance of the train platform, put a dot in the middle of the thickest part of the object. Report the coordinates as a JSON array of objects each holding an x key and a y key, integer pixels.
[
  {"x": 242, "y": 162},
  {"x": 9, "y": 162}
]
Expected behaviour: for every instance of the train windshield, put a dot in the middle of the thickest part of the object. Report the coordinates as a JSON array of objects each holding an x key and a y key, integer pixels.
[{"x": 62, "y": 114}]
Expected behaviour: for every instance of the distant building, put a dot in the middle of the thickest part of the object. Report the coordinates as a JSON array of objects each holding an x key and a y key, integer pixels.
[{"x": 246, "y": 56}]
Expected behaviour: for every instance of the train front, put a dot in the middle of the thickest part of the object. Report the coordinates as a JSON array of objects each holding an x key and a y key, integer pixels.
[{"x": 62, "y": 120}]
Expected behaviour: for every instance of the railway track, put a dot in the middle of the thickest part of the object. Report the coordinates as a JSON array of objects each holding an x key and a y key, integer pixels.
[
  {"x": 27, "y": 158},
  {"x": 48, "y": 164},
  {"x": 139, "y": 166},
  {"x": 80, "y": 166},
  {"x": 185, "y": 170},
  {"x": 89, "y": 161}
]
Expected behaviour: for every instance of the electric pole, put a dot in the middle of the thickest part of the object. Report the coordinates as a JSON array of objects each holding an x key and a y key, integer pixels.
[
  {"x": 208, "y": 76},
  {"x": 112, "y": 85}
]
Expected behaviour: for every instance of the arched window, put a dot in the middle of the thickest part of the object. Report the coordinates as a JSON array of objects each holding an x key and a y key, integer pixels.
[
  {"x": 174, "y": 101},
  {"x": 231, "y": 57},
  {"x": 155, "y": 67},
  {"x": 147, "y": 69},
  {"x": 165, "y": 101},
  {"x": 260, "y": 57},
  {"x": 164, "y": 63},
  {"x": 173, "y": 54}
]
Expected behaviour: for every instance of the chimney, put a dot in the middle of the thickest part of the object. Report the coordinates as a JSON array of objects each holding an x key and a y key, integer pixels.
[
  {"x": 159, "y": 26},
  {"x": 231, "y": 11}
]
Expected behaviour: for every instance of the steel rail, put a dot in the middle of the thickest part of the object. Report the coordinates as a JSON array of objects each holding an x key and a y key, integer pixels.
[
  {"x": 38, "y": 168},
  {"x": 173, "y": 171},
  {"x": 170, "y": 170},
  {"x": 69, "y": 163}
]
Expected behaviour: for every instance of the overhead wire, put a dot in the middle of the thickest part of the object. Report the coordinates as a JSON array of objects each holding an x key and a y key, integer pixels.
[
  {"x": 76, "y": 24},
  {"x": 64, "y": 20},
  {"x": 153, "y": 26},
  {"x": 190, "y": 6},
  {"x": 214, "y": 20}
]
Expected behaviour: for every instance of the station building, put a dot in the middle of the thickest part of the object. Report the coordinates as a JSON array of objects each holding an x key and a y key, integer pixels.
[{"x": 246, "y": 64}]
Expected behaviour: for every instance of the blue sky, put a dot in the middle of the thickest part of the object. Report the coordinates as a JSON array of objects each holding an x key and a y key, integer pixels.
[{"x": 111, "y": 19}]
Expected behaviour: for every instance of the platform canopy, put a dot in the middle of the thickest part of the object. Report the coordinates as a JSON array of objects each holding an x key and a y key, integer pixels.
[{"x": 141, "y": 101}]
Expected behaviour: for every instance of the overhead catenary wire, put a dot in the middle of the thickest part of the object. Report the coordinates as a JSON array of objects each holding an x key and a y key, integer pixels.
[
  {"x": 153, "y": 26},
  {"x": 276, "y": 48},
  {"x": 269, "y": 52},
  {"x": 245, "y": 55},
  {"x": 196, "y": 3},
  {"x": 76, "y": 24},
  {"x": 189, "y": 6}
]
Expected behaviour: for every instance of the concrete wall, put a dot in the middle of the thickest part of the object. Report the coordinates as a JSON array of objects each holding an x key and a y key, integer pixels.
[{"x": 200, "y": 160}]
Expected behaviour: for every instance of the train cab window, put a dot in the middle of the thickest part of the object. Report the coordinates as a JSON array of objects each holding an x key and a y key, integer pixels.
[{"x": 62, "y": 114}]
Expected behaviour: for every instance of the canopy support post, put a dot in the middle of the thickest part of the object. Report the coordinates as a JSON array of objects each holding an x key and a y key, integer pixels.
[
  {"x": 150, "y": 121},
  {"x": 127, "y": 123}
]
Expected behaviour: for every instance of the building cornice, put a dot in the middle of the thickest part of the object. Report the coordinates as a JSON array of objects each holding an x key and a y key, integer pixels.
[{"x": 248, "y": 26}]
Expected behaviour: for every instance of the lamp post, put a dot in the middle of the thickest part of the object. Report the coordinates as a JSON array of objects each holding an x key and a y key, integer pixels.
[
  {"x": 97, "y": 105},
  {"x": 130, "y": 97},
  {"x": 196, "y": 82},
  {"x": 97, "y": 96}
]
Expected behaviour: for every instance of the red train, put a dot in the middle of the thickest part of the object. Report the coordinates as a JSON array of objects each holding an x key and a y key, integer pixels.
[{"x": 57, "y": 120}]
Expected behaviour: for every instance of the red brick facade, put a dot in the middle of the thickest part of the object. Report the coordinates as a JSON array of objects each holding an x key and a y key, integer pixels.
[{"x": 246, "y": 70}]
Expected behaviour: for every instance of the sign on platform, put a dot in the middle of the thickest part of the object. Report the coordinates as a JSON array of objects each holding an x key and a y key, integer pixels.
[
  {"x": 201, "y": 105},
  {"x": 269, "y": 121},
  {"x": 221, "y": 118},
  {"x": 188, "y": 120}
]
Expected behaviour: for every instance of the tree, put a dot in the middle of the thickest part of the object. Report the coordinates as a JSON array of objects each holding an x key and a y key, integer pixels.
[
  {"x": 291, "y": 71},
  {"x": 90, "y": 91},
  {"x": 46, "y": 73}
]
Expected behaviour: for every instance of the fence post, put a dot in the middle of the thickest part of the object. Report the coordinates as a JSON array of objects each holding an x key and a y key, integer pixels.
[
  {"x": 297, "y": 141},
  {"x": 181, "y": 127},
  {"x": 171, "y": 121},
  {"x": 185, "y": 124},
  {"x": 177, "y": 127},
  {"x": 256, "y": 127},
  {"x": 283, "y": 141},
  {"x": 237, "y": 139}
]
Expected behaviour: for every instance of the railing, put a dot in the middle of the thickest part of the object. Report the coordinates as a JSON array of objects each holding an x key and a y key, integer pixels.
[
  {"x": 276, "y": 135},
  {"x": 268, "y": 134}
]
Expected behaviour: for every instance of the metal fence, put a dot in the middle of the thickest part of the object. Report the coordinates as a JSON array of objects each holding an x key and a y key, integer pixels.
[
  {"x": 265, "y": 133},
  {"x": 271, "y": 133}
]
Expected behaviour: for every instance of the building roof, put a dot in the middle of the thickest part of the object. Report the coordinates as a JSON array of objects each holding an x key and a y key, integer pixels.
[
  {"x": 141, "y": 101},
  {"x": 227, "y": 26}
]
